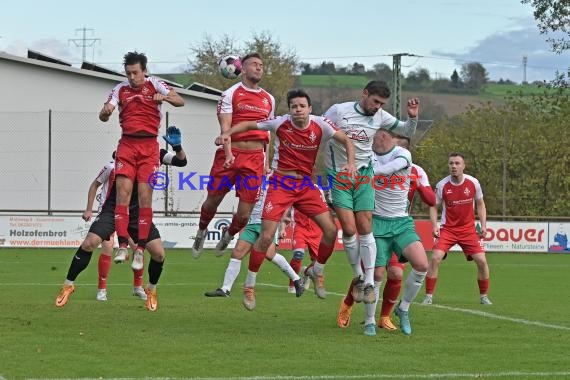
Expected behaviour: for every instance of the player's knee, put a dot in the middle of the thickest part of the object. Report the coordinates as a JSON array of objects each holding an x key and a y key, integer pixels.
[
  {"x": 156, "y": 250},
  {"x": 264, "y": 242},
  {"x": 90, "y": 243},
  {"x": 329, "y": 234},
  {"x": 241, "y": 219},
  {"x": 395, "y": 273},
  {"x": 420, "y": 265}
]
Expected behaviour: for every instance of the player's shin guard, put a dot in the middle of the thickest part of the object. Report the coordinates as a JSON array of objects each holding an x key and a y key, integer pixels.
[
  {"x": 255, "y": 260},
  {"x": 430, "y": 284},
  {"x": 78, "y": 263},
  {"x": 351, "y": 247},
  {"x": 325, "y": 251},
  {"x": 390, "y": 296},
  {"x": 367, "y": 248},
  {"x": 236, "y": 225},
  {"x": 205, "y": 218},
  {"x": 154, "y": 271},
  {"x": 145, "y": 222},
  {"x": 104, "y": 265},
  {"x": 138, "y": 277},
  {"x": 414, "y": 283},
  {"x": 232, "y": 271},
  {"x": 483, "y": 286},
  {"x": 297, "y": 260},
  {"x": 122, "y": 224},
  {"x": 370, "y": 308}
]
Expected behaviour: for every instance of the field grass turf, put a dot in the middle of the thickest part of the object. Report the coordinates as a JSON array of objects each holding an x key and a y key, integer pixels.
[{"x": 525, "y": 334}]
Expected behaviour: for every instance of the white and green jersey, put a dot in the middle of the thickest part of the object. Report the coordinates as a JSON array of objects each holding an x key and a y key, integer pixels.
[
  {"x": 392, "y": 182},
  {"x": 350, "y": 119}
]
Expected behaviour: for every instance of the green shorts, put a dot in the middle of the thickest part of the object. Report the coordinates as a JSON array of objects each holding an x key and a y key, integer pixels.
[
  {"x": 392, "y": 235},
  {"x": 251, "y": 232},
  {"x": 346, "y": 195}
]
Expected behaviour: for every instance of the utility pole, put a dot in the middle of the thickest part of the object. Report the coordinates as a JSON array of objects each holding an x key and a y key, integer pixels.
[
  {"x": 396, "y": 73},
  {"x": 84, "y": 42},
  {"x": 525, "y": 58}
]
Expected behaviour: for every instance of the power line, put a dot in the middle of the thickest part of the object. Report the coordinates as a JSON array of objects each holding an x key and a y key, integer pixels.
[{"x": 84, "y": 42}]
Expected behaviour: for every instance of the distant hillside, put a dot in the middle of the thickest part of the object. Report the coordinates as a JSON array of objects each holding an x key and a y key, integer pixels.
[{"x": 328, "y": 89}]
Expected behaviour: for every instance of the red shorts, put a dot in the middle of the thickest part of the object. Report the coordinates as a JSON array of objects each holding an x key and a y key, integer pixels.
[
  {"x": 245, "y": 175},
  {"x": 468, "y": 240},
  {"x": 137, "y": 158},
  {"x": 284, "y": 192},
  {"x": 394, "y": 262},
  {"x": 310, "y": 238}
]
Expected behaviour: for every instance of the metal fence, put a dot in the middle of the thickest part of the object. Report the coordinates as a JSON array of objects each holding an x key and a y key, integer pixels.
[{"x": 48, "y": 159}]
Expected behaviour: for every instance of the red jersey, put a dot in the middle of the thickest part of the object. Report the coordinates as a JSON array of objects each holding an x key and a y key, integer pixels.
[
  {"x": 458, "y": 202},
  {"x": 246, "y": 104},
  {"x": 296, "y": 149},
  {"x": 420, "y": 183},
  {"x": 138, "y": 112}
]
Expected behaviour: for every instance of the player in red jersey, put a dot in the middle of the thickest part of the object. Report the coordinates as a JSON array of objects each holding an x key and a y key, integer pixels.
[
  {"x": 104, "y": 226},
  {"x": 458, "y": 193},
  {"x": 139, "y": 100},
  {"x": 298, "y": 137},
  {"x": 104, "y": 180},
  {"x": 244, "y": 101},
  {"x": 306, "y": 234}
]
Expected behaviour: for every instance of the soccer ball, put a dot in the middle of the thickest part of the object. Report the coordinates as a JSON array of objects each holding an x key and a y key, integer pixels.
[{"x": 230, "y": 66}]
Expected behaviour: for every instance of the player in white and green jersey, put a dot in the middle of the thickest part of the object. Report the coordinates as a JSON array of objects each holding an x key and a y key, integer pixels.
[
  {"x": 353, "y": 198},
  {"x": 393, "y": 227}
]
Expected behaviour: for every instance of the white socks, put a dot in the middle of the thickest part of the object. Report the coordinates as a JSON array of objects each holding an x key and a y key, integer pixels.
[
  {"x": 232, "y": 271},
  {"x": 367, "y": 250},
  {"x": 282, "y": 263},
  {"x": 414, "y": 283}
]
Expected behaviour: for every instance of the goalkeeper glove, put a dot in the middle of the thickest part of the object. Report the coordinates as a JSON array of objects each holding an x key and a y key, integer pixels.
[{"x": 174, "y": 138}]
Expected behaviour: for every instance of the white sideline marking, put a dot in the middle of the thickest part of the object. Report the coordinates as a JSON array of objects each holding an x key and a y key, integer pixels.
[
  {"x": 363, "y": 376},
  {"x": 469, "y": 311},
  {"x": 495, "y": 316}
]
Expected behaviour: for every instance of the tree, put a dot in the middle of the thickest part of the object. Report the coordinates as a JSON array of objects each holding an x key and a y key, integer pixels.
[
  {"x": 357, "y": 68},
  {"x": 380, "y": 71},
  {"x": 279, "y": 64},
  {"x": 519, "y": 143},
  {"x": 474, "y": 75},
  {"x": 417, "y": 79},
  {"x": 553, "y": 16},
  {"x": 306, "y": 68},
  {"x": 327, "y": 68},
  {"x": 455, "y": 81}
]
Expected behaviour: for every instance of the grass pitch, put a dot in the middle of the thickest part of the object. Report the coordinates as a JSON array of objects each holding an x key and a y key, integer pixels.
[{"x": 525, "y": 334}]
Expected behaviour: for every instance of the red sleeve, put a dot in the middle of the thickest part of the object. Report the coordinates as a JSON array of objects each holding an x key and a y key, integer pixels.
[{"x": 427, "y": 195}]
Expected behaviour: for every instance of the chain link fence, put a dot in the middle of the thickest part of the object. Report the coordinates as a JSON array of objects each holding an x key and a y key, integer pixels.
[{"x": 48, "y": 160}]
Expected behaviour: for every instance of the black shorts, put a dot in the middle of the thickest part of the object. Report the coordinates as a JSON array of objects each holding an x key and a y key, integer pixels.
[{"x": 104, "y": 226}]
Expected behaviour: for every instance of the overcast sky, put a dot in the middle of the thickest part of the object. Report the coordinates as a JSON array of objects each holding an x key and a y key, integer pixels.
[{"x": 444, "y": 34}]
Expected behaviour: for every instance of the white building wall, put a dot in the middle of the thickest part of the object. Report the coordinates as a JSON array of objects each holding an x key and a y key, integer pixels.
[{"x": 80, "y": 143}]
